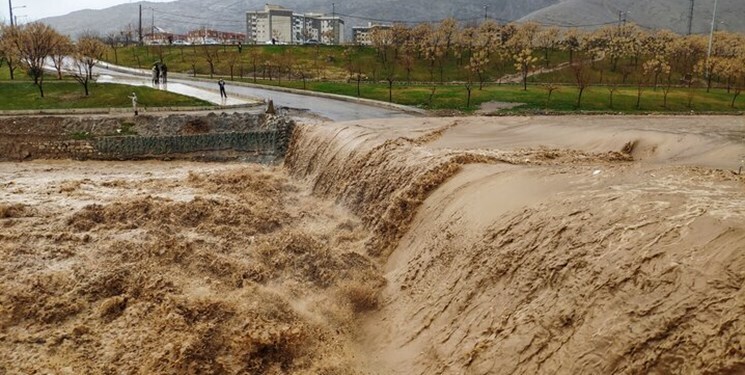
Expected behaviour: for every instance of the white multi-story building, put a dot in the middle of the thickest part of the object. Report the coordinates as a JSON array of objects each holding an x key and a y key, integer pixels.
[
  {"x": 278, "y": 25},
  {"x": 361, "y": 34}
]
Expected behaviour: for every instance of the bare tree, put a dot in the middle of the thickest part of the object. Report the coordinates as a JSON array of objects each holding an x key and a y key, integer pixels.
[
  {"x": 61, "y": 51},
  {"x": 612, "y": 89},
  {"x": 8, "y": 49},
  {"x": 469, "y": 87},
  {"x": 303, "y": 71},
  {"x": 88, "y": 51},
  {"x": 254, "y": 56},
  {"x": 550, "y": 88},
  {"x": 581, "y": 73},
  {"x": 209, "y": 54},
  {"x": 35, "y": 42},
  {"x": 113, "y": 40},
  {"x": 231, "y": 61}
]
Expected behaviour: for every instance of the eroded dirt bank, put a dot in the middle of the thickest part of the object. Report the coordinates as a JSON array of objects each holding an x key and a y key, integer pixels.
[{"x": 550, "y": 245}]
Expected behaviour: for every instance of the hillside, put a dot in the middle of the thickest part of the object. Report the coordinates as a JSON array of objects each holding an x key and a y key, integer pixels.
[
  {"x": 666, "y": 14},
  {"x": 229, "y": 15}
]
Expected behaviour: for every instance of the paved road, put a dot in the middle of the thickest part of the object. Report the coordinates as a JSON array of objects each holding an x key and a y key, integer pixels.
[{"x": 336, "y": 110}]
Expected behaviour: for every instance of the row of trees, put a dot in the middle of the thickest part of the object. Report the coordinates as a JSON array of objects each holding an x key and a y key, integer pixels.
[
  {"x": 34, "y": 47},
  {"x": 625, "y": 52}
]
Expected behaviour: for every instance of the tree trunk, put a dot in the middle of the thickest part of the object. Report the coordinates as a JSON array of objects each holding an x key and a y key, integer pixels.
[
  {"x": 638, "y": 98},
  {"x": 734, "y": 97},
  {"x": 40, "y": 83},
  {"x": 390, "y": 91},
  {"x": 579, "y": 97}
]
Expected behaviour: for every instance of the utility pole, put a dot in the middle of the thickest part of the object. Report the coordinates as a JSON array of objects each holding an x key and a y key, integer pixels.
[
  {"x": 10, "y": 6},
  {"x": 140, "y": 26},
  {"x": 690, "y": 19},
  {"x": 711, "y": 38},
  {"x": 486, "y": 14},
  {"x": 152, "y": 24}
]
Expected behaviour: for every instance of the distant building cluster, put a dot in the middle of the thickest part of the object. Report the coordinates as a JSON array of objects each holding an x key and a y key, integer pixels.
[
  {"x": 361, "y": 34},
  {"x": 279, "y": 25},
  {"x": 199, "y": 36}
]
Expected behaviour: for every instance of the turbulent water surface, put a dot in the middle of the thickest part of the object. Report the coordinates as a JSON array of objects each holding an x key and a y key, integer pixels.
[{"x": 454, "y": 246}]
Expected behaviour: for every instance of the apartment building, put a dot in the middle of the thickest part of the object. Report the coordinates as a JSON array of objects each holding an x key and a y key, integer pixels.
[
  {"x": 361, "y": 34},
  {"x": 279, "y": 25}
]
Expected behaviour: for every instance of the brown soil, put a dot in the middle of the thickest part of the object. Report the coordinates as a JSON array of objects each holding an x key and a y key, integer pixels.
[
  {"x": 46, "y": 127},
  {"x": 471, "y": 246}
]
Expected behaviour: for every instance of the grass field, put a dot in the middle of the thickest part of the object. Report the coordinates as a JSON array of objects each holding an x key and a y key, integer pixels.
[
  {"x": 327, "y": 70},
  {"x": 321, "y": 62},
  {"x": 564, "y": 99},
  {"x": 21, "y": 93}
]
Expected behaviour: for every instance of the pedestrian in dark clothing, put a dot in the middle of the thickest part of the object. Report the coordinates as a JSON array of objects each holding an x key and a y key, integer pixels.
[
  {"x": 164, "y": 73},
  {"x": 221, "y": 83}
]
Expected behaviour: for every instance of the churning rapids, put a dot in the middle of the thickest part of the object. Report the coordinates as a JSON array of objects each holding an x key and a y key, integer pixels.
[{"x": 567, "y": 245}]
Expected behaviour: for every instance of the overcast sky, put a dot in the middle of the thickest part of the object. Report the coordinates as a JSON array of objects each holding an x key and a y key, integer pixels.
[{"x": 36, "y": 9}]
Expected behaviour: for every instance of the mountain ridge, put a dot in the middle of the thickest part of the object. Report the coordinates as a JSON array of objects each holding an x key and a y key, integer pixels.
[{"x": 229, "y": 15}]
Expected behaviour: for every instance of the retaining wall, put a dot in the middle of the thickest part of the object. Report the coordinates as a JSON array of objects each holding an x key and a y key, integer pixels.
[{"x": 264, "y": 139}]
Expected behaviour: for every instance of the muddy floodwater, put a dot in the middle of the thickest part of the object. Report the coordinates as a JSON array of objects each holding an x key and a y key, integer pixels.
[
  {"x": 567, "y": 245},
  {"x": 173, "y": 267}
]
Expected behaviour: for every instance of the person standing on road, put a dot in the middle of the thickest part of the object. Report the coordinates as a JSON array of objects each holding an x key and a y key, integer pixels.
[
  {"x": 164, "y": 73},
  {"x": 221, "y": 83},
  {"x": 134, "y": 102},
  {"x": 156, "y": 74}
]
